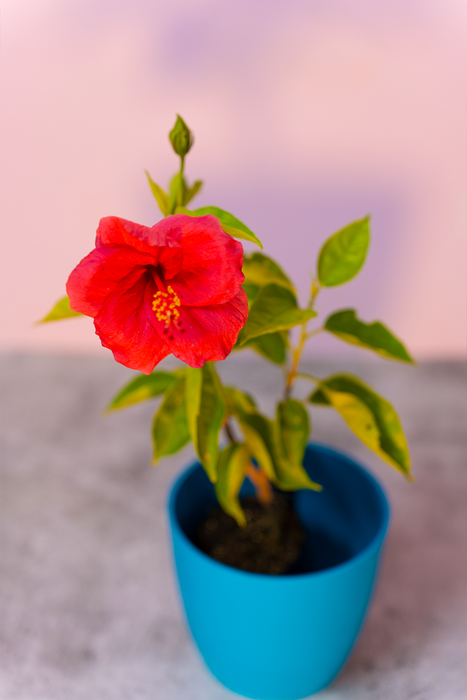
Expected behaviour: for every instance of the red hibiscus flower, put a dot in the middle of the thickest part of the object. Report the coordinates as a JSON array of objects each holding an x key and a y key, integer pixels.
[{"x": 173, "y": 288}]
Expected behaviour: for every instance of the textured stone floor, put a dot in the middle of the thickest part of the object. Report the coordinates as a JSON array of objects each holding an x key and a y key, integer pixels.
[{"x": 89, "y": 608}]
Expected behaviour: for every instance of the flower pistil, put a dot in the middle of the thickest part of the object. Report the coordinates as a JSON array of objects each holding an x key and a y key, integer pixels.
[{"x": 165, "y": 305}]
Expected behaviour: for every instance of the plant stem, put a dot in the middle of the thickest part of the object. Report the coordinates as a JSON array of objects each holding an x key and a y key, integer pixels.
[
  {"x": 314, "y": 332},
  {"x": 228, "y": 431},
  {"x": 308, "y": 376},
  {"x": 297, "y": 354},
  {"x": 295, "y": 362},
  {"x": 181, "y": 191},
  {"x": 260, "y": 481}
]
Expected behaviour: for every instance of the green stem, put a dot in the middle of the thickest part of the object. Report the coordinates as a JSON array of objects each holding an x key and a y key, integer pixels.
[
  {"x": 181, "y": 191},
  {"x": 308, "y": 377},
  {"x": 314, "y": 332},
  {"x": 228, "y": 431},
  {"x": 297, "y": 353}
]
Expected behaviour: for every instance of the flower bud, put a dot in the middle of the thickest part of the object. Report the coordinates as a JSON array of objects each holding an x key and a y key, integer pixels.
[{"x": 181, "y": 137}]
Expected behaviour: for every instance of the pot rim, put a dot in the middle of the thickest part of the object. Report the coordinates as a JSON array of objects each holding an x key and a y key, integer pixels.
[{"x": 374, "y": 544}]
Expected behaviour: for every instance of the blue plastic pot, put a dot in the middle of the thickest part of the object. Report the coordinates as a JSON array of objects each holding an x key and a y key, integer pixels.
[{"x": 284, "y": 637}]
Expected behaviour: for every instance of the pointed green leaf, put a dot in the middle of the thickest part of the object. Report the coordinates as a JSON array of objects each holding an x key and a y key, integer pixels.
[
  {"x": 251, "y": 291},
  {"x": 274, "y": 309},
  {"x": 232, "y": 465},
  {"x": 258, "y": 437},
  {"x": 374, "y": 336},
  {"x": 289, "y": 440},
  {"x": 194, "y": 383},
  {"x": 161, "y": 197},
  {"x": 260, "y": 270},
  {"x": 254, "y": 427},
  {"x": 210, "y": 420},
  {"x": 369, "y": 416},
  {"x": 291, "y": 476},
  {"x": 142, "y": 388},
  {"x": 238, "y": 402},
  {"x": 294, "y": 429},
  {"x": 343, "y": 254},
  {"x": 60, "y": 311},
  {"x": 272, "y": 346},
  {"x": 241, "y": 231},
  {"x": 192, "y": 191},
  {"x": 183, "y": 210},
  {"x": 229, "y": 223},
  {"x": 261, "y": 440},
  {"x": 318, "y": 398},
  {"x": 170, "y": 427}
]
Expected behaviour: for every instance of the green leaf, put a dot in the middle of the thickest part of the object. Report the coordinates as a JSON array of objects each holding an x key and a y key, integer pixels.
[
  {"x": 251, "y": 291},
  {"x": 318, "y": 398},
  {"x": 162, "y": 198},
  {"x": 272, "y": 346},
  {"x": 194, "y": 383},
  {"x": 192, "y": 191},
  {"x": 210, "y": 420},
  {"x": 343, "y": 254},
  {"x": 232, "y": 465},
  {"x": 229, "y": 223},
  {"x": 170, "y": 427},
  {"x": 238, "y": 402},
  {"x": 291, "y": 476},
  {"x": 183, "y": 210},
  {"x": 260, "y": 270},
  {"x": 261, "y": 439},
  {"x": 274, "y": 309},
  {"x": 369, "y": 416},
  {"x": 294, "y": 429},
  {"x": 289, "y": 440},
  {"x": 59, "y": 311},
  {"x": 258, "y": 437},
  {"x": 374, "y": 336},
  {"x": 141, "y": 388},
  {"x": 237, "y": 231}
]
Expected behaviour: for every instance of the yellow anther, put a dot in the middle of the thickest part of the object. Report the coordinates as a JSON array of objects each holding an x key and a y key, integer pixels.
[{"x": 165, "y": 305}]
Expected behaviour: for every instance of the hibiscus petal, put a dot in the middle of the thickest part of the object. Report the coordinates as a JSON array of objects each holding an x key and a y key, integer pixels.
[
  {"x": 170, "y": 261},
  {"x": 115, "y": 232},
  {"x": 205, "y": 333},
  {"x": 211, "y": 272},
  {"x": 98, "y": 275},
  {"x": 123, "y": 325}
]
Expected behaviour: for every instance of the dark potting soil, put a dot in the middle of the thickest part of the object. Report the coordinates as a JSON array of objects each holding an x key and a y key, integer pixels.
[{"x": 269, "y": 544}]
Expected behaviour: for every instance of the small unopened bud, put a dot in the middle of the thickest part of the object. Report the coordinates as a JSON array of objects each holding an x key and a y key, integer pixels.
[{"x": 181, "y": 137}]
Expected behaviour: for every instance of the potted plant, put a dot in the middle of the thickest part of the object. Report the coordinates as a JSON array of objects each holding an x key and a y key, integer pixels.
[{"x": 276, "y": 541}]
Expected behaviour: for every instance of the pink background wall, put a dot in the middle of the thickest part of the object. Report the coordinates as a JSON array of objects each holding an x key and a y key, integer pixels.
[{"x": 307, "y": 115}]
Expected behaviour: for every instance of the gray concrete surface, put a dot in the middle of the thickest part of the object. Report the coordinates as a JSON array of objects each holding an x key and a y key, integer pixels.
[{"x": 89, "y": 607}]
